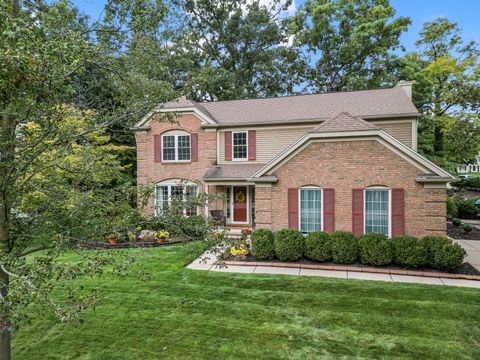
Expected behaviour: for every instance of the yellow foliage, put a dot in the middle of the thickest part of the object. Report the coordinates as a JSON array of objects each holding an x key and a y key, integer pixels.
[{"x": 239, "y": 250}]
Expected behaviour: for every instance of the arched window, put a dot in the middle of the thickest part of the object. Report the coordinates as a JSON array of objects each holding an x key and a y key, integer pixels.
[
  {"x": 185, "y": 191},
  {"x": 310, "y": 209},
  {"x": 175, "y": 146},
  {"x": 377, "y": 210}
]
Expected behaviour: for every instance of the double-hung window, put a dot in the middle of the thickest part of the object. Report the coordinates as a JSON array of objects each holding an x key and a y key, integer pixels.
[
  {"x": 377, "y": 211},
  {"x": 240, "y": 145},
  {"x": 310, "y": 206},
  {"x": 176, "y": 147},
  {"x": 165, "y": 194}
]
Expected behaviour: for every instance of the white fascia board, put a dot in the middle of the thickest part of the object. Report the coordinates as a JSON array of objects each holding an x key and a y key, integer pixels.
[
  {"x": 388, "y": 140},
  {"x": 205, "y": 119}
]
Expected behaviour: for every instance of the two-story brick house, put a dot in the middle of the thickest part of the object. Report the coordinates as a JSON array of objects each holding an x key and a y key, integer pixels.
[{"x": 335, "y": 161}]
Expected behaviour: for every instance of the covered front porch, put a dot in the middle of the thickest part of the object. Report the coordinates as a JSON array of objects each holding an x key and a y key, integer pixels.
[{"x": 235, "y": 205}]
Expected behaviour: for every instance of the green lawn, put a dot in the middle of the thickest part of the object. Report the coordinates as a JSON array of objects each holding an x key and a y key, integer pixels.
[{"x": 187, "y": 314}]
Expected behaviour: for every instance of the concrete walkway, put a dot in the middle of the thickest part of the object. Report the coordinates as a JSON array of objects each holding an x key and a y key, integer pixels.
[
  {"x": 472, "y": 247},
  {"x": 208, "y": 261}
]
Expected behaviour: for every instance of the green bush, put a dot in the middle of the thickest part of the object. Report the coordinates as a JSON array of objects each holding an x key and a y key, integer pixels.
[
  {"x": 262, "y": 244},
  {"x": 452, "y": 208},
  {"x": 442, "y": 253},
  {"x": 469, "y": 184},
  {"x": 289, "y": 244},
  {"x": 467, "y": 228},
  {"x": 344, "y": 247},
  {"x": 409, "y": 252},
  {"x": 456, "y": 222},
  {"x": 448, "y": 256},
  {"x": 318, "y": 246},
  {"x": 466, "y": 209},
  {"x": 375, "y": 249}
]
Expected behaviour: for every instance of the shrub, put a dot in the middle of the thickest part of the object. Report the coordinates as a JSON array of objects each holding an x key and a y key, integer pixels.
[
  {"x": 466, "y": 209},
  {"x": 469, "y": 184},
  {"x": 452, "y": 208},
  {"x": 467, "y": 228},
  {"x": 448, "y": 256},
  {"x": 262, "y": 244},
  {"x": 344, "y": 247},
  {"x": 289, "y": 244},
  {"x": 409, "y": 252},
  {"x": 318, "y": 246},
  {"x": 375, "y": 249},
  {"x": 239, "y": 250},
  {"x": 194, "y": 227},
  {"x": 456, "y": 222},
  {"x": 442, "y": 253}
]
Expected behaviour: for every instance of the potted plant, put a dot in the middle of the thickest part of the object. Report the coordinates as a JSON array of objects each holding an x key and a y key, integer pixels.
[
  {"x": 112, "y": 238},
  {"x": 162, "y": 236}
]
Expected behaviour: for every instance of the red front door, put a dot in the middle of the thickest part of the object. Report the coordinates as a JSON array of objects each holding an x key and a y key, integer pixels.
[{"x": 240, "y": 204}]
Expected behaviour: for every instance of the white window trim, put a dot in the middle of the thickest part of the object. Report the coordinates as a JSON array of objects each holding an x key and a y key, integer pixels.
[
  {"x": 389, "y": 207},
  {"x": 176, "y": 135},
  {"x": 233, "y": 146},
  {"x": 184, "y": 194},
  {"x": 300, "y": 208}
]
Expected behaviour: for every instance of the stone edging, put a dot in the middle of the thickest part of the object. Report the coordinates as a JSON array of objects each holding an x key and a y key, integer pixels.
[{"x": 366, "y": 269}]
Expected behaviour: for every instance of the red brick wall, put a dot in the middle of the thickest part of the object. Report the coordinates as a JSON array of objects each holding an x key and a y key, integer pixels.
[
  {"x": 150, "y": 172},
  {"x": 344, "y": 165}
]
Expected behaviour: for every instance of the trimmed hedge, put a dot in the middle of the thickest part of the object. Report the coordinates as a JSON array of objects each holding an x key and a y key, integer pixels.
[
  {"x": 262, "y": 244},
  {"x": 375, "y": 249},
  {"x": 318, "y": 246},
  {"x": 344, "y": 247},
  {"x": 409, "y": 252},
  {"x": 289, "y": 244},
  {"x": 443, "y": 253}
]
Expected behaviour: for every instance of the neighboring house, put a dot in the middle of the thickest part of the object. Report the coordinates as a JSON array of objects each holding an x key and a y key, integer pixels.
[
  {"x": 336, "y": 161},
  {"x": 470, "y": 168}
]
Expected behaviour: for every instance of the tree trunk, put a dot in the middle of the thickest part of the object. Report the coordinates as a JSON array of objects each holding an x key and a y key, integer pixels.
[
  {"x": 7, "y": 135},
  {"x": 438, "y": 140},
  {"x": 5, "y": 343}
]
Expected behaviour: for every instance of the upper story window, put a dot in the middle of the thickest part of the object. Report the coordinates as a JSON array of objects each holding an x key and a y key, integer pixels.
[
  {"x": 176, "y": 146},
  {"x": 377, "y": 210},
  {"x": 310, "y": 206},
  {"x": 240, "y": 145}
]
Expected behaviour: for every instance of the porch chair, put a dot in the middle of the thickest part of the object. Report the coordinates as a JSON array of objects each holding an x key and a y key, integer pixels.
[{"x": 218, "y": 217}]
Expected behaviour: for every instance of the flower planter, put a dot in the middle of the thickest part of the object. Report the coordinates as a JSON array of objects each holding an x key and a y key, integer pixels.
[{"x": 112, "y": 242}]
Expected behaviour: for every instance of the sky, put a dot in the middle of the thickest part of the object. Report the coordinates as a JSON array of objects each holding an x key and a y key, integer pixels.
[{"x": 466, "y": 13}]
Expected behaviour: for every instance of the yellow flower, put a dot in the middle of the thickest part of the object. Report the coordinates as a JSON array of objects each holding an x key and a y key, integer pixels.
[{"x": 240, "y": 250}]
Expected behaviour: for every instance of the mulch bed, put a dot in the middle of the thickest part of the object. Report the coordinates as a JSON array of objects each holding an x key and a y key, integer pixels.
[
  {"x": 466, "y": 271},
  {"x": 127, "y": 245},
  {"x": 458, "y": 233}
]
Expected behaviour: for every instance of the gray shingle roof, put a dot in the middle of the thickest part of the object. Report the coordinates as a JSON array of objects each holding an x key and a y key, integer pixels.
[
  {"x": 343, "y": 122},
  {"x": 366, "y": 104},
  {"x": 232, "y": 171}
]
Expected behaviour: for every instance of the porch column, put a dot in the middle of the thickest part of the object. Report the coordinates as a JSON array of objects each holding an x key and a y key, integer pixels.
[{"x": 263, "y": 206}]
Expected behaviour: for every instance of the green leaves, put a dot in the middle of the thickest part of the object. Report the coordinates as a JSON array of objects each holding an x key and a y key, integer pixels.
[{"x": 349, "y": 43}]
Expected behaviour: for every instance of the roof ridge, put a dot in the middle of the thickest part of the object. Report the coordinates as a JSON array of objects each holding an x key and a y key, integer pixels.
[{"x": 294, "y": 95}]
